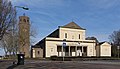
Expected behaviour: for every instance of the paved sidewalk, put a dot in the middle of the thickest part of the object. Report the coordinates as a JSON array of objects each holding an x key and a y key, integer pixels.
[
  {"x": 32, "y": 64},
  {"x": 68, "y": 65}
]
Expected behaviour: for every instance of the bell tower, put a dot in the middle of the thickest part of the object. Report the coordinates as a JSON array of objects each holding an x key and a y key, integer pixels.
[{"x": 24, "y": 35}]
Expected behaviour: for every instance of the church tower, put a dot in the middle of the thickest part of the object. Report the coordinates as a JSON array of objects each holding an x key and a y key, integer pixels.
[{"x": 24, "y": 36}]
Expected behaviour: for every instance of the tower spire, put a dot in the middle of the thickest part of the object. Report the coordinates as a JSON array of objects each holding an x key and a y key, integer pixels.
[{"x": 23, "y": 14}]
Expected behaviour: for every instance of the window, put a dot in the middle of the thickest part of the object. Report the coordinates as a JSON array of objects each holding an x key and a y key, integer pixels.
[
  {"x": 24, "y": 20},
  {"x": 38, "y": 52},
  {"x": 27, "y": 20},
  {"x": 59, "y": 48},
  {"x": 65, "y": 35},
  {"x": 79, "y": 36}
]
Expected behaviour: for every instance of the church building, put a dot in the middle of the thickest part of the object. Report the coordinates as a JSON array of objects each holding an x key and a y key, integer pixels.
[{"x": 70, "y": 40}]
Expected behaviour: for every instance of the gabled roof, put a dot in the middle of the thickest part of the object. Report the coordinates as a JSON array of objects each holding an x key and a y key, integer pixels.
[
  {"x": 72, "y": 25},
  {"x": 103, "y": 42}
]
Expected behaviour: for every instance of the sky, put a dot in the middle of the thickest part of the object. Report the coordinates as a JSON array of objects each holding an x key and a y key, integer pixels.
[{"x": 99, "y": 17}]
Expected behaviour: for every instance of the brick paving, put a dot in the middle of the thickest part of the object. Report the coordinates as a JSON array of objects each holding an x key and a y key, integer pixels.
[{"x": 61, "y": 65}]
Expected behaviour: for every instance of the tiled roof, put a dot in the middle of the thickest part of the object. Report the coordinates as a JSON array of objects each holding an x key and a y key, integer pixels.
[{"x": 72, "y": 25}]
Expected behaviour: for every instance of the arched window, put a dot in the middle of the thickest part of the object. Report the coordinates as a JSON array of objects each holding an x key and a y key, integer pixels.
[
  {"x": 27, "y": 20},
  {"x": 24, "y": 20}
]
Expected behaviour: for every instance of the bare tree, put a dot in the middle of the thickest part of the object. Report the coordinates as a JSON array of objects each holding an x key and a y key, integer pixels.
[
  {"x": 115, "y": 38},
  {"x": 7, "y": 16},
  {"x": 7, "y": 43},
  {"x": 115, "y": 41},
  {"x": 10, "y": 40},
  {"x": 33, "y": 33}
]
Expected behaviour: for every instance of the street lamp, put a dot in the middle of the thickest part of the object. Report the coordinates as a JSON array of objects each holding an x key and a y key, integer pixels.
[
  {"x": 25, "y": 8},
  {"x": 118, "y": 47},
  {"x": 63, "y": 45},
  {"x": 82, "y": 48},
  {"x": 79, "y": 45}
]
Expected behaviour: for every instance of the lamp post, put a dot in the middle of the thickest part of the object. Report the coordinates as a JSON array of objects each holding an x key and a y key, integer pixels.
[
  {"x": 25, "y": 8},
  {"x": 63, "y": 45},
  {"x": 79, "y": 46},
  {"x": 118, "y": 47}
]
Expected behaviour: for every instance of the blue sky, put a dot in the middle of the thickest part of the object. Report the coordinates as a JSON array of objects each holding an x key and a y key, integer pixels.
[{"x": 99, "y": 17}]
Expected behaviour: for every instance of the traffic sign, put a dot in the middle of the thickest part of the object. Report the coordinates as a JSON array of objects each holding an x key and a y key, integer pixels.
[
  {"x": 64, "y": 44},
  {"x": 118, "y": 47}
]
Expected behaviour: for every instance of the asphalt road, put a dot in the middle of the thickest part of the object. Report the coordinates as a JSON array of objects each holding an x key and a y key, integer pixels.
[{"x": 36, "y": 64}]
